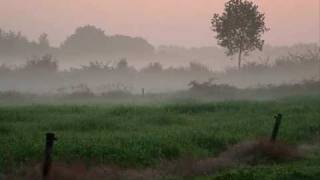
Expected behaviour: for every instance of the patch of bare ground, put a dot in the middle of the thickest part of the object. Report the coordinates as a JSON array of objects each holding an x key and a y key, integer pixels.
[{"x": 247, "y": 153}]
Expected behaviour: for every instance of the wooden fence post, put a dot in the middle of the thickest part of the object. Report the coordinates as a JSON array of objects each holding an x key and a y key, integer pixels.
[
  {"x": 276, "y": 127},
  {"x": 50, "y": 138}
]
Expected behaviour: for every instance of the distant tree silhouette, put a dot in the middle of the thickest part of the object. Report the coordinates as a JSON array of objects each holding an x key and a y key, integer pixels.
[
  {"x": 92, "y": 40},
  {"x": 122, "y": 64},
  {"x": 86, "y": 39},
  {"x": 14, "y": 44},
  {"x": 120, "y": 44},
  {"x": 11, "y": 42},
  {"x": 44, "y": 41},
  {"x": 45, "y": 64},
  {"x": 239, "y": 28}
]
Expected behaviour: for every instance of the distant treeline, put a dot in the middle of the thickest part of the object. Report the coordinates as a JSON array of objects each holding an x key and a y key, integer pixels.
[
  {"x": 89, "y": 43},
  {"x": 42, "y": 75},
  {"x": 85, "y": 40}
]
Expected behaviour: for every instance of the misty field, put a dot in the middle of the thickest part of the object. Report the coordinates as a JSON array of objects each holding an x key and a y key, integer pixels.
[{"x": 146, "y": 136}]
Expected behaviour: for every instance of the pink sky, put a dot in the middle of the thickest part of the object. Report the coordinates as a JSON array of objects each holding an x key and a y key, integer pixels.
[{"x": 179, "y": 22}]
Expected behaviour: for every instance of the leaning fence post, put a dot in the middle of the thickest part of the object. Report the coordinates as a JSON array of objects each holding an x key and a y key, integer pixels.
[
  {"x": 276, "y": 127},
  {"x": 50, "y": 138}
]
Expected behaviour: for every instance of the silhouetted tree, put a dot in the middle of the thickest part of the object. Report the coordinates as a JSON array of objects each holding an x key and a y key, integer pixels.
[
  {"x": 86, "y": 39},
  {"x": 122, "y": 64},
  {"x": 92, "y": 40},
  {"x": 44, "y": 41},
  {"x": 239, "y": 28},
  {"x": 46, "y": 64},
  {"x": 14, "y": 44},
  {"x": 120, "y": 44}
]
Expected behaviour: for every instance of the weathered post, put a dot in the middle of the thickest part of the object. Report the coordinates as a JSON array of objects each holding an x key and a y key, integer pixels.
[
  {"x": 276, "y": 127},
  {"x": 142, "y": 91},
  {"x": 50, "y": 138}
]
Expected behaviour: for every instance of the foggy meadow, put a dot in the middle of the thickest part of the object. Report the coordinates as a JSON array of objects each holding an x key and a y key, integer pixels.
[
  {"x": 89, "y": 62},
  {"x": 150, "y": 90}
]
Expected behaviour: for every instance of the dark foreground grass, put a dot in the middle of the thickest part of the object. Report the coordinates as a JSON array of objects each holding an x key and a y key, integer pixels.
[{"x": 144, "y": 136}]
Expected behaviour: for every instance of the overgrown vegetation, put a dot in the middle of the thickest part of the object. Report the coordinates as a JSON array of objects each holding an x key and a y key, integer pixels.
[
  {"x": 144, "y": 136},
  {"x": 100, "y": 78},
  {"x": 206, "y": 91}
]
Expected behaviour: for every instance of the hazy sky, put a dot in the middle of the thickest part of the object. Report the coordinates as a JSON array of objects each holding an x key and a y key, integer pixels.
[{"x": 179, "y": 22}]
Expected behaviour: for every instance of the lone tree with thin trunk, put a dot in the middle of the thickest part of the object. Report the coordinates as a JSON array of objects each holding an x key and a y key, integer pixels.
[{"x": 239, "y": 28}]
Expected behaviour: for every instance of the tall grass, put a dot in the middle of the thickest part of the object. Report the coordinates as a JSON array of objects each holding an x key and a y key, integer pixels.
[{"x": 139, "y": 136}]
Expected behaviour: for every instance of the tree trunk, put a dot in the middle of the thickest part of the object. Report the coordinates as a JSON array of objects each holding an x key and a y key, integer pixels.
[{"x": 239, "y": 59}]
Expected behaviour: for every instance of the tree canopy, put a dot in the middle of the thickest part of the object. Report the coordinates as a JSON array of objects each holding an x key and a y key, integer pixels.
[{"x": 239, "y": 28}]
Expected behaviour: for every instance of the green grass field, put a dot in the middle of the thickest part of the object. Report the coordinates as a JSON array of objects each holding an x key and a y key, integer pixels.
[{"x": 141, "y": 136}]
